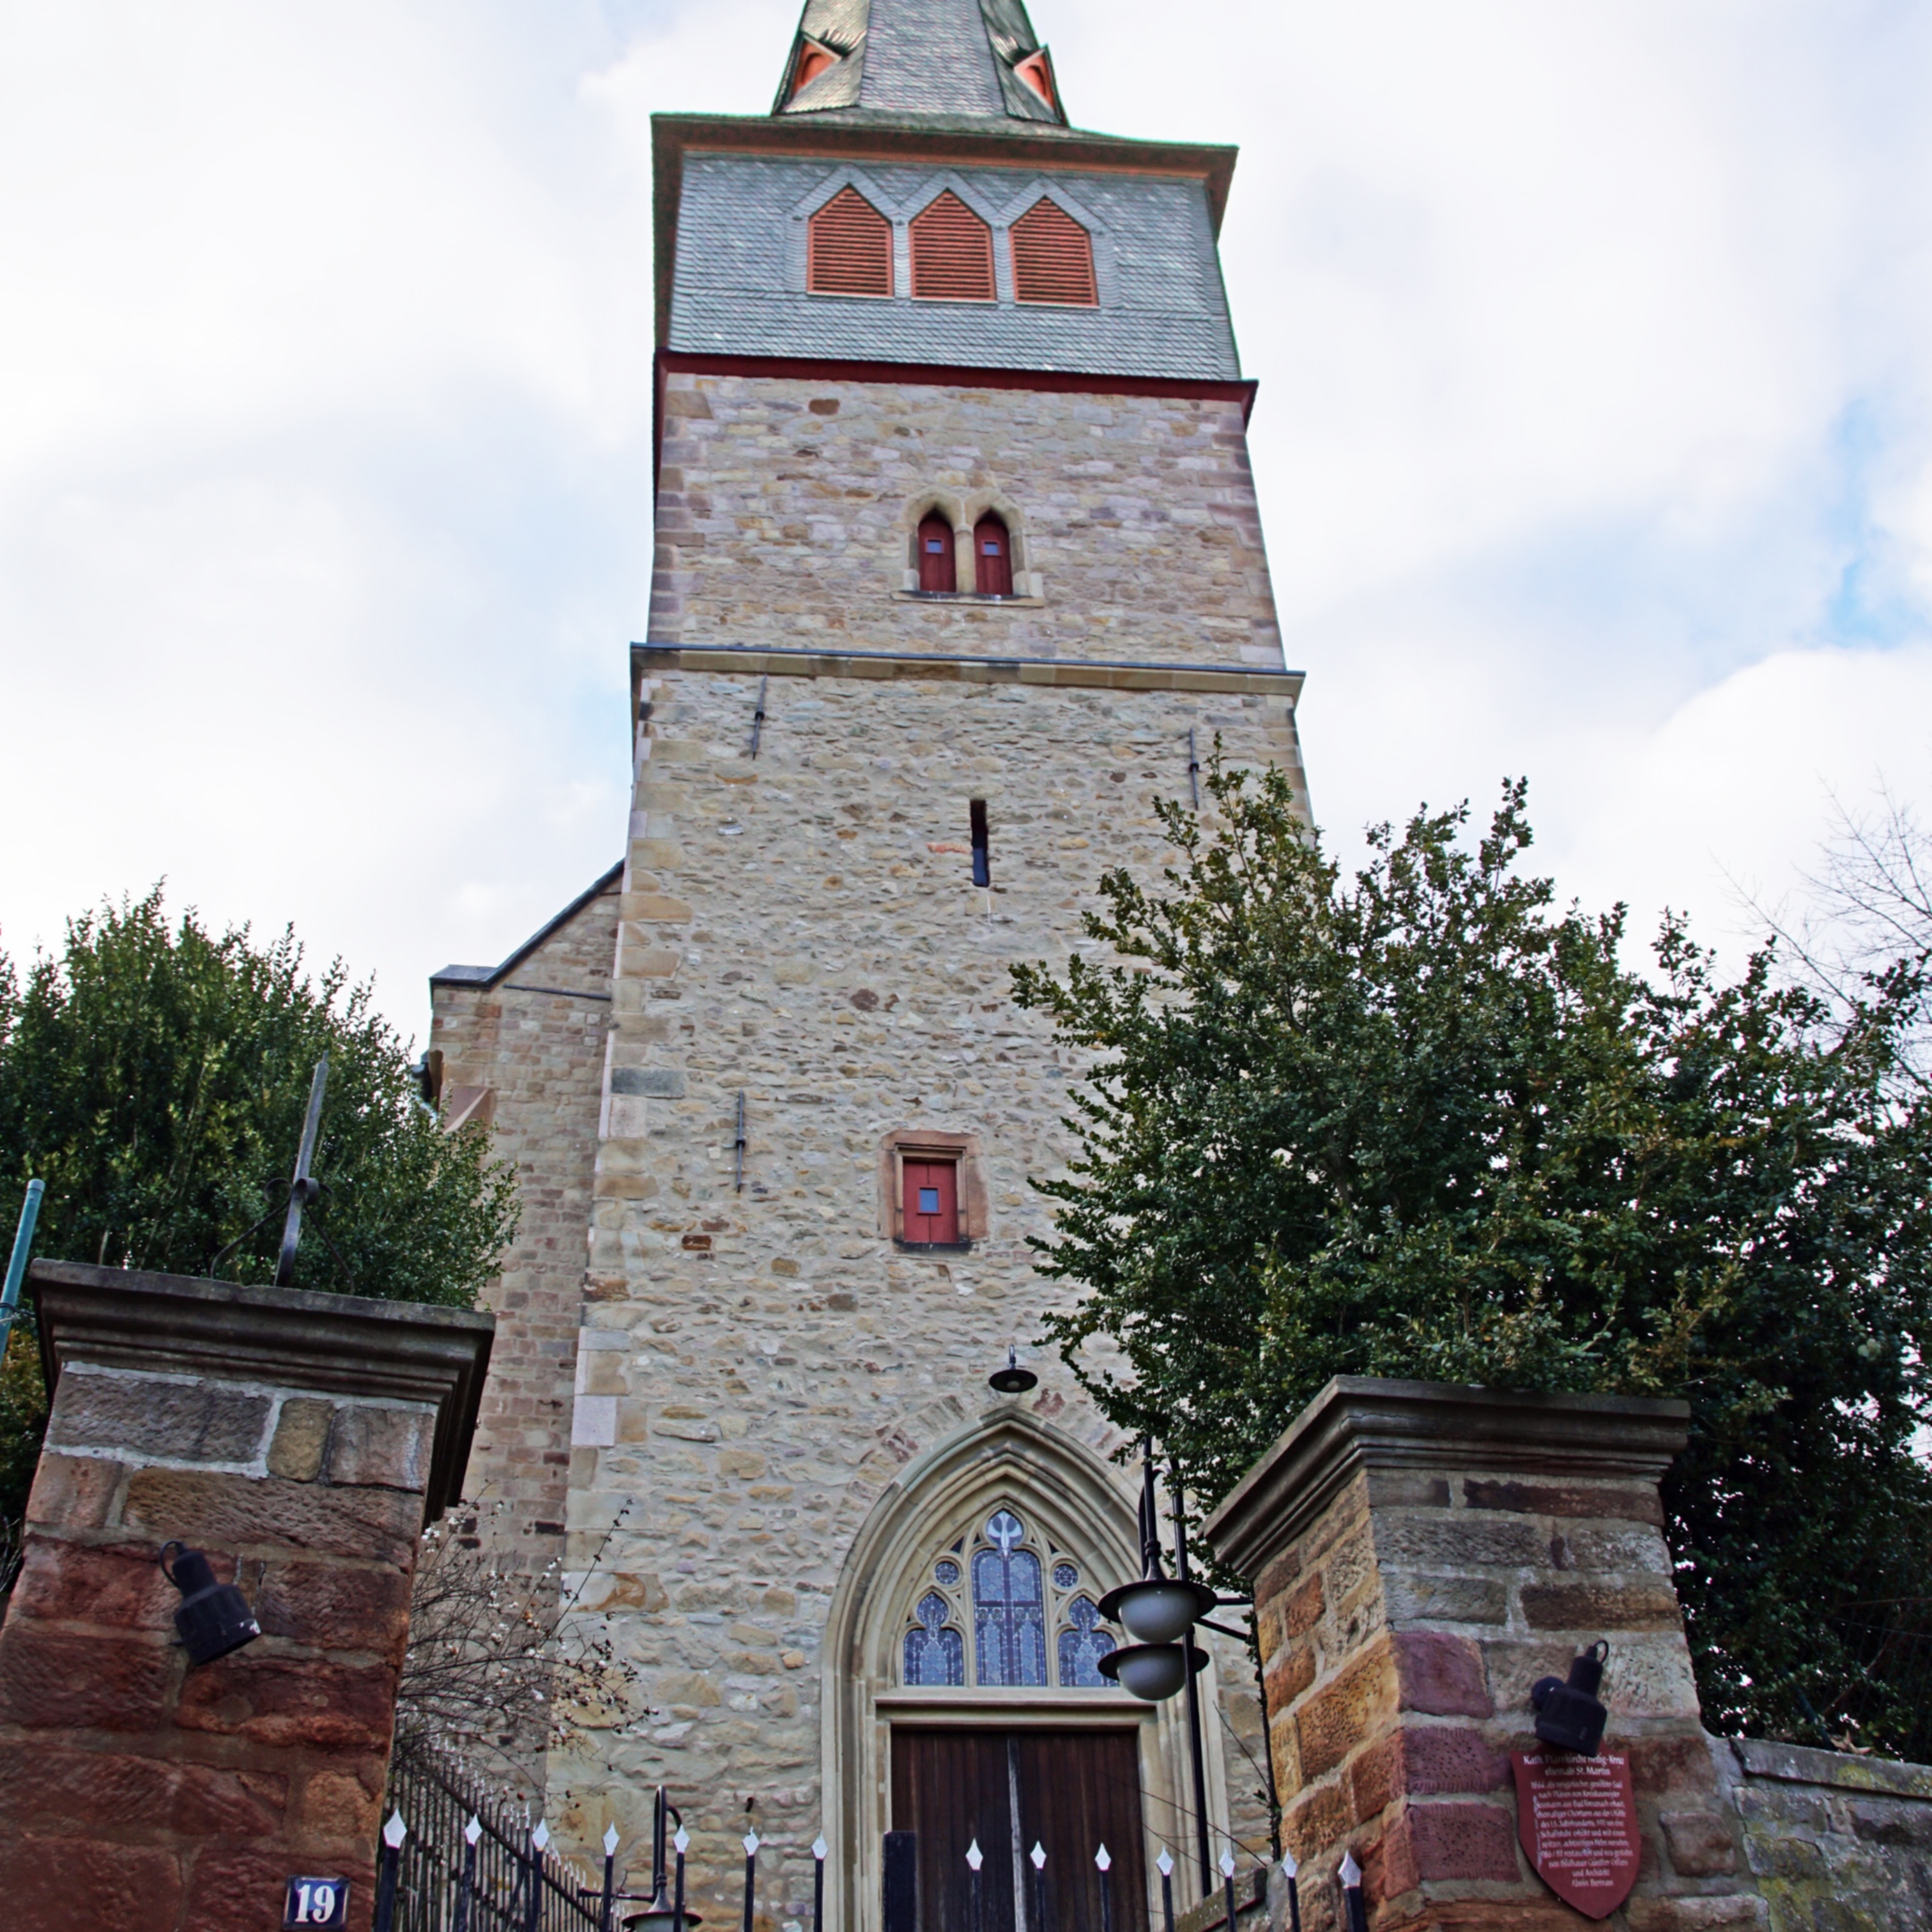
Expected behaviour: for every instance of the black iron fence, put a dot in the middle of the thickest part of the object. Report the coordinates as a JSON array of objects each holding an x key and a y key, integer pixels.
[{"x": 458, "y": 1857}]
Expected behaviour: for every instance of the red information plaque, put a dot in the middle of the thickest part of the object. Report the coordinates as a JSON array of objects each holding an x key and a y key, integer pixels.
[{"x": 1578, "y": 1822}]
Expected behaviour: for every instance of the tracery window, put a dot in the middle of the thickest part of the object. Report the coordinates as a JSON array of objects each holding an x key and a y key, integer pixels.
[{"x": 1033, "y": 1624}]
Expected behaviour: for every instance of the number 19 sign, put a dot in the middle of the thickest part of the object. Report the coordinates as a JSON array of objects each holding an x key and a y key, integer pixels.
[{"x": 317, "y": 1901}]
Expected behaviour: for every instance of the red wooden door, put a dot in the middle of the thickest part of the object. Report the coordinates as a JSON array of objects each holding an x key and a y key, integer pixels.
[
  {"x": 931, "y": 1200},
  {"x": 936, "y": 570},
  {"x": 992, "y": 558},
  {"x": 1068, "y": 1791}
]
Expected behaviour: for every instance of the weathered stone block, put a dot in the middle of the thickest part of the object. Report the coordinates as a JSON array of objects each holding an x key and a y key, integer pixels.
[
  {"x": 301, "y": 1438},
  {"x": 77, "y": 1492},
  {"x": 155, "y": 1416},
  {"x": 379, "y": 1447},
  {"x": 225, "y": 1511},
  {"x": 1700, "y": 1843}
]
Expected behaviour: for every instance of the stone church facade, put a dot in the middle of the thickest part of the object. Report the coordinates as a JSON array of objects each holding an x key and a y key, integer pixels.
[{"x": 958, "y": 568}]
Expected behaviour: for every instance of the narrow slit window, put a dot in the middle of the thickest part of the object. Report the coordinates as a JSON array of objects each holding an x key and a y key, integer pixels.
[
  {"x": 992, "y": 557},
  {"x": 982, "y": 843},
  {"x": 937, "y": 571},
  {"x": 932, "y": 1202}
]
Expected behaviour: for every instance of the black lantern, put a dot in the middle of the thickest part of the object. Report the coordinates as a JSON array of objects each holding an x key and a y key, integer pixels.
[
  {"x": 214, "y": 1618},
  {"x": 1569, "y": 1715}
]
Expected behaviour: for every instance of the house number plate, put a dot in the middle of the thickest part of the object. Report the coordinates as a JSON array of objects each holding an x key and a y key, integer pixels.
[{"x": 317, "y": 1901}]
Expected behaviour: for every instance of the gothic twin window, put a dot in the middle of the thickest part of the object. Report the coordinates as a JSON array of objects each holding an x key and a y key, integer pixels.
[
  {"x": 848, "y": 251},
  {"x": 1031, "y": 1621}
]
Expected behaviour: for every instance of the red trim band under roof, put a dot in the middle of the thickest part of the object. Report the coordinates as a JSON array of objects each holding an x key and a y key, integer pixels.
[{"x": 943, "y": 375}]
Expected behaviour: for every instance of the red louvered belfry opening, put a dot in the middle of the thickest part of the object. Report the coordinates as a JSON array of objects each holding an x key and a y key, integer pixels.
[
  {"x": 952, "y": 253},
  {"x": 932, "y": 1201},
  {"x": 1052, "y": 257},
  {"x": 849, "y": 248},
  {"x": 992, "y": 558},
  {"x": 936, "y": 566}
]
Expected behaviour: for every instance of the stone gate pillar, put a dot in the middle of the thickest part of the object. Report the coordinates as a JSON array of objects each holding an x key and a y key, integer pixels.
[
  {"x": 299, "y": 1440},
  {"x": 1421, "y": 1554}
]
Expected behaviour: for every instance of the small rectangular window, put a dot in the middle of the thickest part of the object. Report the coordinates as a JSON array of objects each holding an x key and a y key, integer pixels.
[
  {"x": 932, "y": 1201},
  {"x": 982, "y": 845}
]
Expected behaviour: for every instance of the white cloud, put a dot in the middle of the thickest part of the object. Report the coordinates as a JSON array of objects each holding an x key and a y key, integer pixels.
[{"x": 1593, "y": 437}]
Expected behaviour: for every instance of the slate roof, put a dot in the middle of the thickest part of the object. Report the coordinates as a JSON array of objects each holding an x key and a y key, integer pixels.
[{"x": 951, "y": 57}]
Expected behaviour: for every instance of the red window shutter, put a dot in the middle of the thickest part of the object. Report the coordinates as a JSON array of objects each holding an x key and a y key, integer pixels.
[
  {"x": 849, "y": 248},
  {"x": 1052, "y": 257},
  {"x": 932, "y": 1200},
  {"x": 952, "y": 253},
  {"x": 992, "y": 558},
  {"x": 937, "y": 571}
]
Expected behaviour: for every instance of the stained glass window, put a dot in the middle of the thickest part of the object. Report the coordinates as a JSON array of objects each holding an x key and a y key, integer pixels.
[
  {"x": 1009, "y": 1614},
  {"x": 1064, "y": 1576},
  {"x": 1083, "y": 1645},
  {"x": 946, "y": 1573},
  {"x": 934, "y": 1655}
]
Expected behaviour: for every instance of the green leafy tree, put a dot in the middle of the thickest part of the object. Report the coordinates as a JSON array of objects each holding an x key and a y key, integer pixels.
[
  {"x": 1423, "y": 1123},
  {"x": 156, "y": 1079}
]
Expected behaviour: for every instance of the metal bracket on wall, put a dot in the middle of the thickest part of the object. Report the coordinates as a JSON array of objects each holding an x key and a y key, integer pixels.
[
  {"x": 737, "y": 1149},
  {"x": 1193, "y": 770},
  {"x": 758, "y": 716}
]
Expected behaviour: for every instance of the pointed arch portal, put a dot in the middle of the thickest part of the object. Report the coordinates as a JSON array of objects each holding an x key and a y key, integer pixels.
[{"x": 961, "y": 1697}]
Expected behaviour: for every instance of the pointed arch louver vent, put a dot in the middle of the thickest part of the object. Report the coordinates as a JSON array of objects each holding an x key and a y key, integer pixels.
[
  {"x": 849, "y": 248},
  {"x": 1052, "y": 257},
  {"x": 952, "y": 253}
]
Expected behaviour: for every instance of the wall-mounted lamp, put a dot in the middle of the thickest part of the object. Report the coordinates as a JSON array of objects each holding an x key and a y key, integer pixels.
[
  {"x": 1153, "y": 1671},
  {"x": 1012, "y": 1379},
  {"x": 214, "y": 1618},
  {"x": 1569, "y": 1715}
]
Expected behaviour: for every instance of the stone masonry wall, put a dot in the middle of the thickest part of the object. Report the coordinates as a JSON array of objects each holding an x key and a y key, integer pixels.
[
  {"x": 541, "y": 1056},
  {"x": 785, "y": 511},
  {"x": 757, "y": 1365},
  {"x": 1837, "y": 1843},
  {"x": 134, "y": 1791}
]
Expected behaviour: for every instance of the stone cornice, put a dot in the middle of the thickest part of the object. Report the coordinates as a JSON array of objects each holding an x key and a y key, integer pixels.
[
  {"x": 291, "y": 1337},
  {"x": 748, "y": 660},
  {"x": 1365, "y": 1422}
]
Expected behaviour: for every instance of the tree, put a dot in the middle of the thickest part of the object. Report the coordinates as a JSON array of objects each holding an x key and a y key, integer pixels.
[
  {"x": 1424, "y": 1123},
  {"x": 156, "y": 1080}
]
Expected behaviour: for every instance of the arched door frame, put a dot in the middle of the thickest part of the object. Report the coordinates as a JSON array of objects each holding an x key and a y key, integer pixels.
[{"x": 1082, "y": 1506}]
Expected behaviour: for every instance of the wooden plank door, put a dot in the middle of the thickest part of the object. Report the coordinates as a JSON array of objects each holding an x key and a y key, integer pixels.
[{"x": 1070, "y": 1792}]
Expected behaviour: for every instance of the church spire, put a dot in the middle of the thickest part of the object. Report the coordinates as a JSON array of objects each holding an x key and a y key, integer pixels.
[{"x": 973, "y": 59}]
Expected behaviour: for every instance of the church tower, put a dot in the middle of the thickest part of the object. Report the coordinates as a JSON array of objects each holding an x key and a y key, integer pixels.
[{"x": 958, "y": 568}]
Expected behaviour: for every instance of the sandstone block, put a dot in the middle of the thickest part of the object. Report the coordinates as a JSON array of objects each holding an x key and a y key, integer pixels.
[
  {"x": 92, "y": 1584},
  {"x": 301, "y": 1438},
  {"x": 64, "y": 1680},
  {"x": 230, "y": 1511},
  {"x": 1645, "y": 1603},
  {"x": 382, "y": 1447},
  {"x": 281, "y": 1701},
  {"x": 75, "y": 1492},
  {"x": 1700, "y": 1842},
  {"x": 1441, "y": 1675},
  {"x": 147, "y": 1416}
]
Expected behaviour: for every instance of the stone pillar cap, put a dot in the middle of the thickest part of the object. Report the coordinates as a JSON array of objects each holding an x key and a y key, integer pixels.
[
  {"x": 289, "y": 1338},
  {"x": 1362, "y": 1422}
]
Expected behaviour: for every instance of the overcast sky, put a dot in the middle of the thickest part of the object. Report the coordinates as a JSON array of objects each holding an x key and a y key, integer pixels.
[{"x": 1594, "y": 439}]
